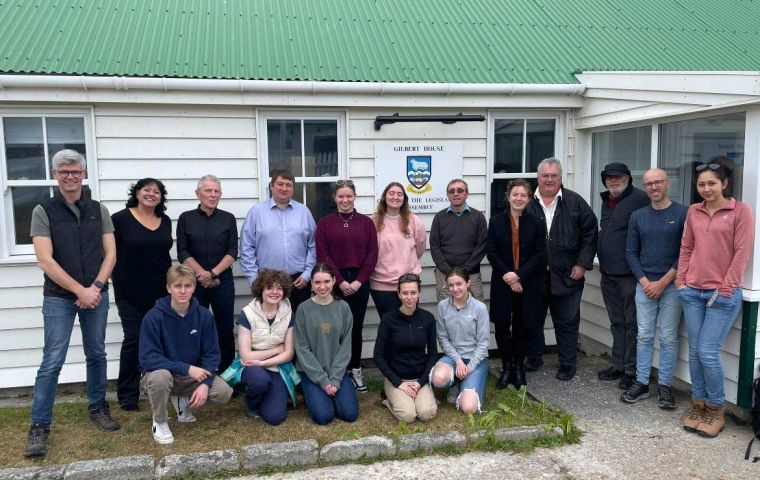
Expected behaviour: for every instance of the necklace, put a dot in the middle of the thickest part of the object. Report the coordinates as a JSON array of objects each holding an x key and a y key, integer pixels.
[{"x": 346, "y": 220}]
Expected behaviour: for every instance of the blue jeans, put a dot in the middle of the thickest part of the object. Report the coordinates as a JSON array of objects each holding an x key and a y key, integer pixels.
[
  {"x": 476, "y": 380},
  {"x": 665, "y": 311},
  {"x": 58, "y": 316},
  {"x": 221, "y": 299},
  {"x": 707, "y": 329},
  {"x": 266, "y": 392},
  {"x": 323, "y": 408}
]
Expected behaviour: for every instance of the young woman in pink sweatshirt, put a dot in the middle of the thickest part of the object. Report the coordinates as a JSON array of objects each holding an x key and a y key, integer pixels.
[
  {"x": 715, "y": 248},
  {"x": 401, "y": 242}
]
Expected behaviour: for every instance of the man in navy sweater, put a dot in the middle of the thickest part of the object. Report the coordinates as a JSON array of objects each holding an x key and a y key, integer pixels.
[
  {"x": 654, "y": 242},
  {"x": 179, "y": 354}
]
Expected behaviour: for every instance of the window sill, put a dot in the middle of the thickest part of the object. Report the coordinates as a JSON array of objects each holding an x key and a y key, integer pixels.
[{"x": 19, "y": 260}]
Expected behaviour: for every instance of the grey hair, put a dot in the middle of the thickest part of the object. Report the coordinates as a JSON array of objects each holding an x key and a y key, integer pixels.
[
  {"x": 209, "y": 178},
  {"x": 550, "y": 161},
  {"x": 68, "y": 156}
]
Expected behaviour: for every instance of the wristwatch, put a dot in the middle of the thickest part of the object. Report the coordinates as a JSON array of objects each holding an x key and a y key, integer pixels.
[
  {"x": 213, "y": 275},
  {"x": 98, "y": 283}
]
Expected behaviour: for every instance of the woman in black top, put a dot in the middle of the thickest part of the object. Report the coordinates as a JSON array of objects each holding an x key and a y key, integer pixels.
[
  {"x": 405, "y": 352},
  {"x": 143, "y": 240},
  {"x": 516, "y": 249}
]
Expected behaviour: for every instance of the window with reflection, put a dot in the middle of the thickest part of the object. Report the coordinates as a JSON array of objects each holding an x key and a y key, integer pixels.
[
  {"x": 519, "y": 145},
  {"x": 29, "y": 143},
  {"x": 308, "y": 148}
]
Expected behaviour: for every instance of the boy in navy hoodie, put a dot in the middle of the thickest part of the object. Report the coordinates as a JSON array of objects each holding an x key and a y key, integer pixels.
[{"x": 179, "y": 353}]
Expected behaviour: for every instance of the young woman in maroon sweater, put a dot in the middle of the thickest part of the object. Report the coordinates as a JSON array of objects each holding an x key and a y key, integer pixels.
[{"x": 347, "y": 241}]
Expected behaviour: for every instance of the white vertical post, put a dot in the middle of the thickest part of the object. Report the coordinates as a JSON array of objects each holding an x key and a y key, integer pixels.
[{"x": 750, "y": 196}]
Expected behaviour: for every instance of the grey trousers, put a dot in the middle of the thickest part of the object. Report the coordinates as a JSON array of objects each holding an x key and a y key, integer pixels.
[{"x": 160, "y": 384}]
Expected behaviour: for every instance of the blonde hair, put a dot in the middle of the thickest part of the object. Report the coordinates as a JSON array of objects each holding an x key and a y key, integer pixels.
[{"x": 180, "y": 272}]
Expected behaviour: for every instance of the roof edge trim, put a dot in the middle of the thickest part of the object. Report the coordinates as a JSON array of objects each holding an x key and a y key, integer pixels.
[{"x": 167, "y": 84}]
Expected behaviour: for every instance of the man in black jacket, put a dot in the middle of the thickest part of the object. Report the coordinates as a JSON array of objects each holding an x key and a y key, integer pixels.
[
  {"x": 570, "y": 245},
  {"x": 618, "y": 282}
]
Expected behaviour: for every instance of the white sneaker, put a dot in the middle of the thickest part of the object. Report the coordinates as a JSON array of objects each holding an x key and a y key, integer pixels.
[
  {"x": 182, "y": 407},
  {"x": 162, "y": 434},
  {"x": 358, "y": 380}
]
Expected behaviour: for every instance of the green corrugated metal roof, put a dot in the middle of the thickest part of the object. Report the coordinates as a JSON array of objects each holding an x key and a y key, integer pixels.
[{"x": 478, "y": 41}]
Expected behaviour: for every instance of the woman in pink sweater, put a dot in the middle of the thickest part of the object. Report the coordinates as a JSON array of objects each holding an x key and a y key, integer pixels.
[
  {"x": 401, "y": 242},
  {"x": 715, "y": 248}
]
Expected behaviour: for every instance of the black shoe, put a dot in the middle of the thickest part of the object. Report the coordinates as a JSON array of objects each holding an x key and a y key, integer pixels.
[
  {"x": 36, "y": 443},
  {"x": 565, "y": 372},
  {"x": 503, "y": 381},
  {"x": 610, "y": 374},
  {"x": 102, "y": 418},
  {"x": 533, "y": 364},
  {"x": 129, "y": 407},
  {"x": 520, "y": 380},
  {"x": 638, "y": 391},
  {"x": 665, "y": 398},
  {"x": 627, "y": 382}
]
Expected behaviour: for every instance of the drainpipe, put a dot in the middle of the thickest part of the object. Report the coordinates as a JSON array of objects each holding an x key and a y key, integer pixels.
[{"x": 243, "y": 86}]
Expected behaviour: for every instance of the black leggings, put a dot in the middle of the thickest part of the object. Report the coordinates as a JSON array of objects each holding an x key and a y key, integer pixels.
[
  {"x": 511, "y": 341},
  {"x": 358, "y": 304}
]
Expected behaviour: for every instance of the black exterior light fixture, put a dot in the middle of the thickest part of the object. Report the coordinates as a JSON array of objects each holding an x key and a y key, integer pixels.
[{"x": 381, "y": 120}]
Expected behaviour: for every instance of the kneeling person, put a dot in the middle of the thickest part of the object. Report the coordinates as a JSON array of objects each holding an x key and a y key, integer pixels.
[
  {"x": 179, "y": 352},
  {"x": 405, "y": 352}
]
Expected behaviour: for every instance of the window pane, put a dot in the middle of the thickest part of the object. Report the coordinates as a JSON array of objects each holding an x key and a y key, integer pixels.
[
  {"x": 65, "y": 133},
  {"x": 498, "y": 193},
  {"x": 631, "y": 146},
  {"x": 319, "y": 199},
  {"x": 684, "y": 145},
  {"x": 539, "y": 142},
  {"x": 321, "y": 148},
  {"x": 24, "y": 201},
  {"x": 508, "y": 147},
  {"x": 24, "y": 148},
  {"x": 284, "y": 138}
]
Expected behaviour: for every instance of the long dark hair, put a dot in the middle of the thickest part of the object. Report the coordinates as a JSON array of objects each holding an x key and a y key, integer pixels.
[
  {"x": 137, "y": 186},
  {"x": 404, "y": 211}
]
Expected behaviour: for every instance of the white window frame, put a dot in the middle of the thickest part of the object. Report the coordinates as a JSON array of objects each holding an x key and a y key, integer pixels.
[
  {"x": 9, "y": 250},
  {"x": 263, "y": 116},
  {"x": 525, "y": 115}
]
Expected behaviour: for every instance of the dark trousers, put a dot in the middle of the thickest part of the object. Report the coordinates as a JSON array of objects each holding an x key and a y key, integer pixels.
[
  {"x": 128, "y": 383},
  {"x": 385, "y": 301},
  {"x": 510, "y": 333},
  {"x": 619, "y": 293},
  {"x": 266, "y": 392},
  {"x": 298, "y": 295},
  {"x": 358, "y": 304},
  {"x": 221, "y": 301},
  {"x": 566, "y": 317}
]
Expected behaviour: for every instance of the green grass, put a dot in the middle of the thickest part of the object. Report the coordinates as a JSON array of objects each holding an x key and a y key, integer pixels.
[{"x": 74, "y": 438}]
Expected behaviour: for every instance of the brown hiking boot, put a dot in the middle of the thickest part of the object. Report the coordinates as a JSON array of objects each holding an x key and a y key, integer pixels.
[
  {"x": 713, "y": 421},
  {"x": 693, "y": 416}
]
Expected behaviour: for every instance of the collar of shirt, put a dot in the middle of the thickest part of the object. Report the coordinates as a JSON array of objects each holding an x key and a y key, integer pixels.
[
  {"x": 466, "y": 208},
  {"x": 203, "y": 212},
  {"x": 554, "y": 200},
  {"x": 466, "y": 305},
  {"x": 273, "y": 204}
]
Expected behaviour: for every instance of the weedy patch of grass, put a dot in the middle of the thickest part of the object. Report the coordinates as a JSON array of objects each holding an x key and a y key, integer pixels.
[{"x": 74, "y": 438}]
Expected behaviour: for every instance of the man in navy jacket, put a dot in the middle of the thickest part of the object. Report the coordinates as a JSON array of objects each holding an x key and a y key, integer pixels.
[
  {"x": 618, "y": 282},
  {"x": 179, "y": 354}
]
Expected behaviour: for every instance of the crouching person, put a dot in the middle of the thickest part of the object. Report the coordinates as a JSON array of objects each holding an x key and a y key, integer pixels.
[{"x": 179, "y": 352}]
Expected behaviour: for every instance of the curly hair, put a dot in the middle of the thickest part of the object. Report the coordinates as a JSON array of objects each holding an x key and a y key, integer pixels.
[
  {"x": 142, "y": 183},
  {"x": 382, "y": 207},
  {"x": 267, "y": 278}
]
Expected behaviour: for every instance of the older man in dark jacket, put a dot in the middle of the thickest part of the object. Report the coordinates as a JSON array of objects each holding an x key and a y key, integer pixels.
[
  {"x": 618, "y": 282},
  {"x": 570, "y": 245}
]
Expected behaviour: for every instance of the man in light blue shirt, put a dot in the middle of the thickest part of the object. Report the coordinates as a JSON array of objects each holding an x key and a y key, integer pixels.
[{"x": 279, "y": 233}]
